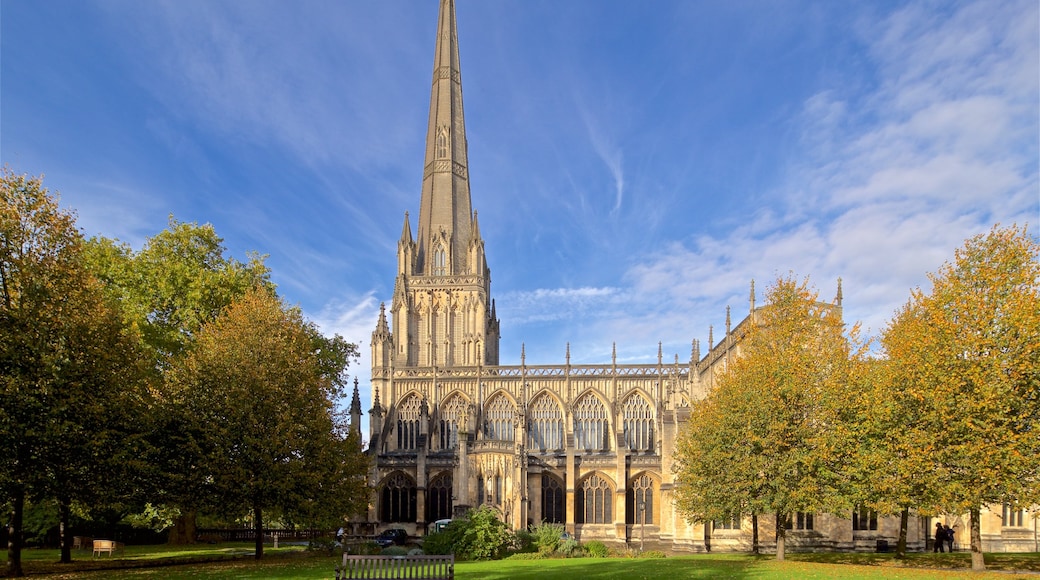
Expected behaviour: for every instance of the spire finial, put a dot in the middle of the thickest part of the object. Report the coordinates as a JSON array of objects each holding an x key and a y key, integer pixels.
[
  {"x": 711, "y": 337},
  {"x": 838, "y": 298},
  {"x": 752, "y": 296},
  {"x": 568, "y": 353},
  {"x": 727, "y": 321},
  {"x": 613, "y": 353},
  {"x": 659, "y": 352}
]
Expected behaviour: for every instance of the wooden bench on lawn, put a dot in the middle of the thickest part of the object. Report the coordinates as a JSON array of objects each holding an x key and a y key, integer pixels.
[
  {"x": 394, "y": 567},
  {"x": 110, "y": 546}
]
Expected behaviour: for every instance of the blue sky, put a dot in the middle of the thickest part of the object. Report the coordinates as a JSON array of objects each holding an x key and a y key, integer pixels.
[{"x": 634, "y": 164}]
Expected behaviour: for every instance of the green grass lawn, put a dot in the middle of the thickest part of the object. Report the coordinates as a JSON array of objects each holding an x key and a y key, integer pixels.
[{"x": 230, "y": 561}]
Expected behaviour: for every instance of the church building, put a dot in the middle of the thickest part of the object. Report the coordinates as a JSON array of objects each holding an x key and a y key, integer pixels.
[{"x": 587, "y": 446}]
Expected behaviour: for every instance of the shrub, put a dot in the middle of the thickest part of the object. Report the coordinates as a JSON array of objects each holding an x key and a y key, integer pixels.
[
  {"x": 597, "y": 549},
  {"x": 324, "y": 545},
  {"x": 441, "y": 542},
  {"x": 416, "y": 552},
  {"x": 524, "y": 541},
  {"x": 571, "y": 548},
  {"x": 482, "y": 536},
  {"x": 546, "y": 536},
  {"x": 529, "y": 556},
  {"x": 652, "y": 554},
  {"x": 395, "y": 551}
]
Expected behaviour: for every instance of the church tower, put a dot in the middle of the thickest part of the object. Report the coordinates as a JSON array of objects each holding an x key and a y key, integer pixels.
[{"x": 442, "y": 314}]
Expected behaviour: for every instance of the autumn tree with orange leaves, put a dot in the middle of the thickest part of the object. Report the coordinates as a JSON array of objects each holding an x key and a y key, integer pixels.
[
  {"x": 966, "y": 358},
  {"x": 773, "y": 435}
]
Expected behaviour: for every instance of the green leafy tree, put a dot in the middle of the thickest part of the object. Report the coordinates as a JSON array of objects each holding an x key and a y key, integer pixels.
[
  {"x": 69, "y": 380},
  {"x": 262, "y": 384},
  {"x": 773, "y": 435},
  {"x": 180, "y": 280},
  {"x": 968, "y": 356}
]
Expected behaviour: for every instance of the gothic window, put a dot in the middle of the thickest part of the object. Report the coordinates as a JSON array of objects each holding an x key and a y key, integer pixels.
[
  {"x": 438, "y": 502},
  {"x": 545, "y": 432},
  {"x": 552, "y": 500},
  {"x": 638, "y": 424},
  {"x": 1013, "y": 518},
  {"x": 639, "y": 501},
  {"x": 498, "y": 419},
  {"x": 442, "y": 143},
  {"x": 498, "y": 489},
  {"x": 799, "y": 521},
  {"x": 408, "y": 423},
  {"x": 398, "y": 499},
  {"x": 480, "y": 490},
  {"x": 590, "y": 424},
  {"x": 864, "y": 519},
  {"x": 594, "y": 499},
  {"x": 453, "y": 414},
  {"x": 440, "y": 262}
]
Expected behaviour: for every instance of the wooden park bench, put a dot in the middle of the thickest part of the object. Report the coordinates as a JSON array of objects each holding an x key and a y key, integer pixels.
[
  {"x": 110, "y": 546},
  {"x": 397, "y": 567}
]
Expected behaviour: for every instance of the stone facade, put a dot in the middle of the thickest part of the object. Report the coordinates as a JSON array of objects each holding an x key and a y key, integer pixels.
[{"x": 589, "y": 446}]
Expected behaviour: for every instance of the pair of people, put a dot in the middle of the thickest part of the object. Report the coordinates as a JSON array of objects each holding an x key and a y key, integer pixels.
[{"x": 943, "y": 537}]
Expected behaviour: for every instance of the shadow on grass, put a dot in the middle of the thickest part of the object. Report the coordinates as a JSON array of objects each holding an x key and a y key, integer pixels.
[{"x": 601, "y": 568}]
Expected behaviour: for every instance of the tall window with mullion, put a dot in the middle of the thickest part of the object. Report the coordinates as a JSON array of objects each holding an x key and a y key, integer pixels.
[
  {"x": 545, "y": 431},
  {"x": 1013, "y": 517},
  {"x": 638, "y": 420},
  {"x": 590, "y": 424},
  {"x": 594, "y": 499},
  {"x": 864, "y": 519},
  {"x": 499, "y": 416},
  {"x": 453, "y": 414},
  {"x": 799, "y": 521},
  {"x": 408, "y": 414}
]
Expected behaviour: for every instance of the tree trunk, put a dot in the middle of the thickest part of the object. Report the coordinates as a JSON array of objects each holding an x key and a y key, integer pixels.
[
  {"x": 754, "y": 533},
  {"x": 781, "y": 535},
  {"x": 904, "y": 521},
  {"x": 258, "y": 524},
  {"x": 977, "y": 562},
  {"x": 63, "y": 528},
  {"x": 183, "y": 530},
  {"x": 707, "y": 535},
  {"x": 14, "y": 534}
]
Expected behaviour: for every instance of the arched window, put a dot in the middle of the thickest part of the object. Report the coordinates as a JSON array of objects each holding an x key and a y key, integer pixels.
[
  {"x": 594, "y": 499},
  {"x": 397, "y": 500},
  {"x": 440, "y": 262},
  {"x": 552, "y": 500},
  {"x": 639, "y": 503},
  {"x": 590, "y": 424},
  {"x": 545, "y": 432},
  {"x": 638, "y": 421},
  {"x": 442, "y": 143},
  {"x": 408, "y": 414},
  {"x": 438, "y": 502},
  {"x": 498, "y": 419},
  {"x": 453, "y": 414},
  {"x": 498, "y": 489}
]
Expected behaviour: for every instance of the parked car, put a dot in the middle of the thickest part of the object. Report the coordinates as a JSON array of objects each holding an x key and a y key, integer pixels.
[
  {"x": 391, "y": 537},
  {"x": 440, "y": 525}
]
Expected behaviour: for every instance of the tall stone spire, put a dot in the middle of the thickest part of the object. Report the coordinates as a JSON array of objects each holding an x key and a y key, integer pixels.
[{"x": 445, "y": 214}]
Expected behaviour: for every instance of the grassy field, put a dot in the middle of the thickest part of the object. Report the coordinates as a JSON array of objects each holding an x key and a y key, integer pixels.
[{"x": 231, "y": 561}]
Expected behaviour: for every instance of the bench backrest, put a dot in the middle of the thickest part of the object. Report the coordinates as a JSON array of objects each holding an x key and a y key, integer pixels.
[
  {"x": 410, "y": 567},
  {"x": 104, "y": 544}
]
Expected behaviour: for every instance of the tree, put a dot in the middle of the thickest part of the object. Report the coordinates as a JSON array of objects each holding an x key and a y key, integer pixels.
[
  {"x": 179, "y": 281},
  {"x": 69, "y": 387},
  {"x": 773, "y": 436},
  {"x": 262, "y": 384},
  {"x": 968, "y": 353}
]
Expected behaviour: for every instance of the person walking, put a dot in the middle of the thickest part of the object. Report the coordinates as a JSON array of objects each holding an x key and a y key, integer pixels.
[
  {"x": 940, "y": 538},
  {"x": 949, "y": 538}
]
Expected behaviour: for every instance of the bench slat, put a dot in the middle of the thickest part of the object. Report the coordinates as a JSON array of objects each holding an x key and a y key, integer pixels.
[{"x": 397, "y": 567}]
